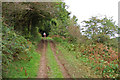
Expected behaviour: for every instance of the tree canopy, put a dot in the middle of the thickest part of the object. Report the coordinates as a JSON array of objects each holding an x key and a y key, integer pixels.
[
  {"x": 27, "y": 17},
  {"x": 96, "y": 26}
]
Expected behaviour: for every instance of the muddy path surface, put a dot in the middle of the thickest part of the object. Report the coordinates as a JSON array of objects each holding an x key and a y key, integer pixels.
[
  {"x": 42, "y": 47},
  {"x": 62, "y": 67}
]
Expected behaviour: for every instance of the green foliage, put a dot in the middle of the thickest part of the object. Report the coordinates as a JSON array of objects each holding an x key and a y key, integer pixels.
[
  {"x": 58, "y": 39},
  {"x": 75, "y": 62},
  {"x": 28, "y": 17},
  {"x": 101, "y": 38},
  {"x": 57, "y": 28},
  {"x": 22, "y": 68},
  {"x": 104, "y": 59},
  {"x": 53, "y": 65},
  {"x": 48, "y": 38},
  {"x": 74, "y": 34},
  {"x": 71, "y": 47},
  {"x": 96, "y": 26},
  {"x": 15, "y": 47},
  {"x": 101, "y": 57},
  {"x": 60, "y": 22},
  {"x": 113, "y": 43},
  {"x": 25, "y": 17}
]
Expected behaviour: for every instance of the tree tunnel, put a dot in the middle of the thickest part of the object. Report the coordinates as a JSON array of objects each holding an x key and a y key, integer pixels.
[
  {"x": 42, "y": 31},
  {"x": 46, "y": 27}
]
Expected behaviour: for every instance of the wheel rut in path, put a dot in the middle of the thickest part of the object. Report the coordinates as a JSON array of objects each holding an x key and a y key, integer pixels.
[
  {"x": 42, "y": 73},
  {"x": 62, "y": 67}
]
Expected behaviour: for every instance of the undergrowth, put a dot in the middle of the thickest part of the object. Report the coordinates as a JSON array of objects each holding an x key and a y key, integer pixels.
[
  {"x": 24, "y": 68},
  {"x": 19, "y": 57},
  {"x": 103, "y": 59},
  {"x": 78, "y": 68}
]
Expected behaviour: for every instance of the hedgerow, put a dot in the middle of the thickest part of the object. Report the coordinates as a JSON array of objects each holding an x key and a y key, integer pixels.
[{"x": 14, "y": 47}]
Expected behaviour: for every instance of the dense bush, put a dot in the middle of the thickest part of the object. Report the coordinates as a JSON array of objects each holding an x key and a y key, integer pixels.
[
  {"x": 105, "y": 59},
  {"x": 15, "y": 47},
  {"x": 101, "y": 38},
  {"x": 57, "y": 38},
  {"x": 102, "y": 58},
  {"x": 112, "y": 43}
]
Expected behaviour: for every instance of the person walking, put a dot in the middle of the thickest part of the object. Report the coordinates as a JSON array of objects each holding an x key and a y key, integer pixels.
[{"x": 44, "y": 34}]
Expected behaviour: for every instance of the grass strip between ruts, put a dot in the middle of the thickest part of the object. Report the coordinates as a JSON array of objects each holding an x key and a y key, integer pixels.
[{"x": 54, "y": 70}]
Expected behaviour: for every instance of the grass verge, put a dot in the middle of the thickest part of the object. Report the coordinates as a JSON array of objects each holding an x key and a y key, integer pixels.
[
  {"x": 24, "y": 68},
  {"x": 54, "y": 70},
  {"x": 78, "y": 67}
]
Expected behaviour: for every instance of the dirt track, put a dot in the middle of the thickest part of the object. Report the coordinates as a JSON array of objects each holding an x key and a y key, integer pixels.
[
  {"x": 42, "y": 47},
  {"x": 42, "y": 73}
]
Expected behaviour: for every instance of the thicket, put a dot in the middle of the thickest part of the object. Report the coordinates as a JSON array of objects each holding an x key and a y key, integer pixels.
[{"x": 14, "y": 47}]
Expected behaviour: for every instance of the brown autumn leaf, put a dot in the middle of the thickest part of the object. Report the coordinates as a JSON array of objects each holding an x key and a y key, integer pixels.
[
  {"x": 21, "y": 69},
  {"x": 26, "y": 73}
]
